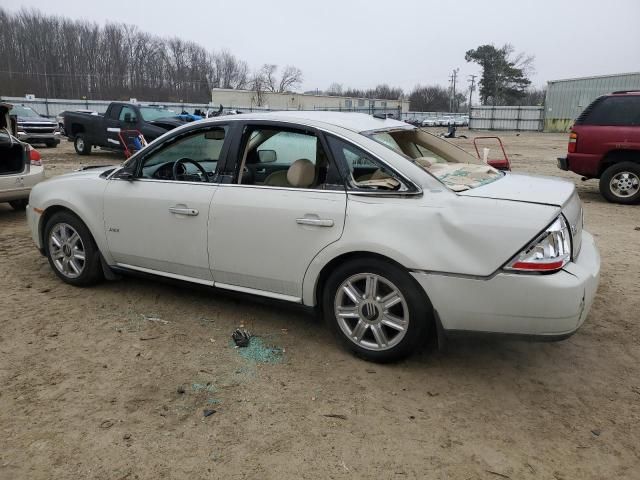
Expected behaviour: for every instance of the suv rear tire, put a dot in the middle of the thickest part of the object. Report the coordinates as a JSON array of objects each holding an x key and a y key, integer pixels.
[
  {"x": 620, "y": 183},
  {"x": 81, "y": 146}
]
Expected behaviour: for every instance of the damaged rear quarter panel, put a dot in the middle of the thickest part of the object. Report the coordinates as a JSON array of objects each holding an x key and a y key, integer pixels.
[{"x": 436, "y": 232}]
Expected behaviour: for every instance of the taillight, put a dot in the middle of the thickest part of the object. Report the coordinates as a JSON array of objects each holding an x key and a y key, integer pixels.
[
  {"x": 34, "y": 156},
  {"x": 549, "y": 252},
  {"x": 573, "y": 142}
]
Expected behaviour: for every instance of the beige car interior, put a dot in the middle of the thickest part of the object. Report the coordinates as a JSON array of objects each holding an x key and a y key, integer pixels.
[
  {"x": 453, "y": 166},
  {"x": 302, "y": 173}
]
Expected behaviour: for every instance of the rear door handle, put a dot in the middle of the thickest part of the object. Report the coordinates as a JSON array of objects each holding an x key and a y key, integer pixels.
[
  {"x": 184, "y": 211},
  {"x": 316, "y": 222}
]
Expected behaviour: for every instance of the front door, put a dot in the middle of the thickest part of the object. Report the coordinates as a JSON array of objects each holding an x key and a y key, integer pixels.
[
  {"x": 285, "y": 205},
  {"x": 157, "y": 222}
]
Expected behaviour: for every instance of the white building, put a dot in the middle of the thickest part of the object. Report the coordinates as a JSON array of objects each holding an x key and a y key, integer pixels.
[{"x": 248, "y": 100}]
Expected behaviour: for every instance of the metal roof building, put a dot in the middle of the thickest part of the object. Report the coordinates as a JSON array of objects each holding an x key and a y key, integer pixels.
[{"x": 566, "y": 99}]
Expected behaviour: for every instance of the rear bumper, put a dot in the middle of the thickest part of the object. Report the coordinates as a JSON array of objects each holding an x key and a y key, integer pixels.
[
  {"x": 549, "y": 307},
  {"x": 563, "y": 163},
  {"x": 17, "y": 187}
]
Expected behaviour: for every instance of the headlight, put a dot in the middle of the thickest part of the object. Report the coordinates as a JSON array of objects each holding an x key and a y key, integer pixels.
[{"x": 549, "y": 252}]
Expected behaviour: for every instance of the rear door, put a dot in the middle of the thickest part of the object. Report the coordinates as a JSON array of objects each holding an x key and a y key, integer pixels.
[{"x": 266, "y": 226}]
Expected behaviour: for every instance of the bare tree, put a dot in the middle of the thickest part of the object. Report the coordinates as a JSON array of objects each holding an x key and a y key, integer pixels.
[
  {"x": 291, "y": 78},
  {"x": 335, "y": 89}
]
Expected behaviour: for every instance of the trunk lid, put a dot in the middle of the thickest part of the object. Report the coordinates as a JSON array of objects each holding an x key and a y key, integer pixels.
[
  {"x": 525, "y": 188},
  {"x": 541, "y": 190}
]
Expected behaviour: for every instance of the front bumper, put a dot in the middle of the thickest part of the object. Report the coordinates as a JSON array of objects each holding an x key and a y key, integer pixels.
[
  {"x": 30, "y": 137},
  {"x": 549, "y": 306}
]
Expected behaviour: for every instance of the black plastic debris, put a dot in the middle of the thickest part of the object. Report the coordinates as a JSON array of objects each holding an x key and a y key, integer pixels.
[
  {"x": 241, "y": 337},
  {"x": 208, "y": 412}
]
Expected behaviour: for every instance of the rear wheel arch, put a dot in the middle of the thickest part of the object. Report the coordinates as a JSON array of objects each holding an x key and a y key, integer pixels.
[
  {"x": 351, "y": 256},
  {"x": 616, "y": 156}
]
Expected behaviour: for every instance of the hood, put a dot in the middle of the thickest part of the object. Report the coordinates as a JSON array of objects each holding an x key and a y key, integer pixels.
[
  {"x": 167, "y": 122},
  {"x": 36, "y": 120},
  {"x": 526, "y": 188},
  {"x": 86, "y": 172}
]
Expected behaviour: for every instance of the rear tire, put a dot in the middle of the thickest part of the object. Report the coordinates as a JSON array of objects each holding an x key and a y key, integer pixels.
[
  {"x": 19, "y": 204},
  {"x": 81, "y": 146},
  {"x": 376, "y": 309},
  {"x": 620, "y": 183},
  {"x": 71, "y": 250}
]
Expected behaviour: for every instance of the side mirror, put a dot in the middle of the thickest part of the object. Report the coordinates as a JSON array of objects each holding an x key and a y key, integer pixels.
[
  {"x": 124, "y": 175},
  {"x": 267, "y": 156},
  {"x": 128, "y": 118}
]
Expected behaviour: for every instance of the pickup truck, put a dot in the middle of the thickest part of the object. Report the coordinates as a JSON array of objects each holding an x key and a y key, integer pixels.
[
  {"x": 34, "y": 128},
  {"x": 86, "y": 130}
]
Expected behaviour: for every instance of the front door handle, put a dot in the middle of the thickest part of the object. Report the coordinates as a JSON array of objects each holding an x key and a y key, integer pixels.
[
  {"x": 316, "y": 222},
  {"x": 184, "y": 211}
]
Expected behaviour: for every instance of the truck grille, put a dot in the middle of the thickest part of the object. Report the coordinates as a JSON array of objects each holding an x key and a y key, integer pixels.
[{"x": 38, "y": 127}]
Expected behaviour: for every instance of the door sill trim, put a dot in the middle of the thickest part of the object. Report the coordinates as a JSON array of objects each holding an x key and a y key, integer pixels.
[
  {"x": 167, "y": 274},
  {"x": 262, "y": 293},
  {"x": 209, "y": 283}
]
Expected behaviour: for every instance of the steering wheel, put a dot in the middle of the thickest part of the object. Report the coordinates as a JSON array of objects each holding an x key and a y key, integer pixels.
[{"x": 204, "y": 177}]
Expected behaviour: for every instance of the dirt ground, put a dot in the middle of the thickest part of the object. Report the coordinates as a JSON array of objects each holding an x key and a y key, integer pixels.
[{"x": 111, "y": 382}]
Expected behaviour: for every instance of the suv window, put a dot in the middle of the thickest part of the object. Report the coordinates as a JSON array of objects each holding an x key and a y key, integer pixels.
[
  {"x": 203, "y": 147},
  {"x": 619, "y": 110}
]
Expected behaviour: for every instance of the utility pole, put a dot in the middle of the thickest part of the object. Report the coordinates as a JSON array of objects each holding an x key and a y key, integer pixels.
[
  {"x": 452, "y": 102},
  {"x": 472, "y": 80}
]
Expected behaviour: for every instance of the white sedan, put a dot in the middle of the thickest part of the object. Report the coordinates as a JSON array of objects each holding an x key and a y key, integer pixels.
[
  {"x": 393, "y": 233},
  {"x": 20, "y": 164}
]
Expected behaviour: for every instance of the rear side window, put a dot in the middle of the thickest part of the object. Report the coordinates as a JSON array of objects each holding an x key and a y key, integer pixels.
[{"x": 615, "y": 111}]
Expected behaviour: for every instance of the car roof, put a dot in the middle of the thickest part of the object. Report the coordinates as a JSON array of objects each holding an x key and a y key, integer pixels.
[{"x": 356, "y": 122}]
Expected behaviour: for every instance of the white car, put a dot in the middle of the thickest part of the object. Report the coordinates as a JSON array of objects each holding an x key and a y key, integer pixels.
[
  {"x": 20, "y": 164},
  {"x": 393, "y": 233}
]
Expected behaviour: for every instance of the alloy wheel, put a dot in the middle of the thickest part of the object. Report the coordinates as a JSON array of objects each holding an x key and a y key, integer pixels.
[
  {"x": 67, "y": 250},
  {"x": 371, "y": 311},
  {"x": 624, "y": 184}
]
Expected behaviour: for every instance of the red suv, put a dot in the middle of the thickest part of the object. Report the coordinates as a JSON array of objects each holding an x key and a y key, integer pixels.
[{"x": 605, "y": 143}]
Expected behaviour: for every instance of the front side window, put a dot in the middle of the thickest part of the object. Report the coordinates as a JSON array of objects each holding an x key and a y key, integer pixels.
[
  {"x": 454, "y": 167},
  {"x": 286, "y": 158},
  {"x": 127, "y": 114},
  {"x": 195, "y": 157}
]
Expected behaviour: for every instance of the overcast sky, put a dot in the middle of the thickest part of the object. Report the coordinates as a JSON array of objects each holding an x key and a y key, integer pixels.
[{"x": 403, "y": 43}]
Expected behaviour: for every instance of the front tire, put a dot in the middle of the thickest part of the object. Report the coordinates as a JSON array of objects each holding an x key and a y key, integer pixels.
[
  {"x": 71, "y": 250},
  {"x": 620, "y": 183},
  {"x": 81, "y": 145},
  {"x": 19, "y": 205},
  {"x": 51, "y": 144},
  {"x": 376, "y": 309}
]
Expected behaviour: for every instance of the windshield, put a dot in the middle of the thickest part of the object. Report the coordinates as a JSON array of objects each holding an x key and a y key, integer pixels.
[
  {"x": 150, "y": 114},
  {"x": 450, "y": 164},
  {"x": 21, "y": 111}
]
